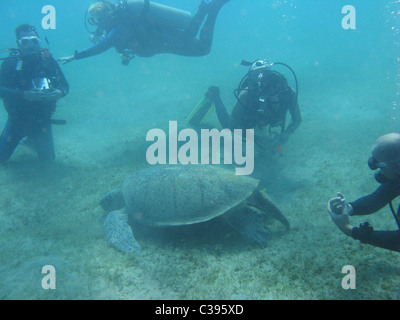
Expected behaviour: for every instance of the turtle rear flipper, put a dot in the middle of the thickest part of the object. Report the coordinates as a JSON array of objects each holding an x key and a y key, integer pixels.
[
  {"x": 260, "y": 200},
  {"x": 119, "y": 234},
  {"x": 249, "y": 223}
]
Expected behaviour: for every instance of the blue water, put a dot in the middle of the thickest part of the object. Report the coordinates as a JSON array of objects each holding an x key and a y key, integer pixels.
[{"x": 349, "y": 94}]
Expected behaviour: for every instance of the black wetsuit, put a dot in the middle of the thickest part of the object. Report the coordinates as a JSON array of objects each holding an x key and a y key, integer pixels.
[
  {"x": 246, "y": 114},
  {"x": 146, "y": 38},
  {"x": 371, "y": 203},
  {"x": 25, "y": 117}
]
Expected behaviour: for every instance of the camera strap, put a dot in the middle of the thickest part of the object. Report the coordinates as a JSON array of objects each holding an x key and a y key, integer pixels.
[{"x": 396, "y": 216}]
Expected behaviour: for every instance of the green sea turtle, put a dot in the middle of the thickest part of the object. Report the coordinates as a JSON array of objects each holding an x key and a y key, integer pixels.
[{"x": 170, "y": 195}]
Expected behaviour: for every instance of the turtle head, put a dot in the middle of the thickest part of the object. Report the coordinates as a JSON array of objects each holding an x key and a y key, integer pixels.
[{"x": 113, "y": 200}]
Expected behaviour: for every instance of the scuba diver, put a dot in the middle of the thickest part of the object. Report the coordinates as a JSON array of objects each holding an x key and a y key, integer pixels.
[
  {"x": 144, "y": 28},
  {"x": 386, "y": 157},
  {"x": 31, "y": 82},
  {"x": 263, "y": 100}
]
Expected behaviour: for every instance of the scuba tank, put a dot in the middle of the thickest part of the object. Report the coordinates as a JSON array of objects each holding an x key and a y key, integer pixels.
[
  {"x": 137, "y": 10},
  {"x": 163, "y": 15}
]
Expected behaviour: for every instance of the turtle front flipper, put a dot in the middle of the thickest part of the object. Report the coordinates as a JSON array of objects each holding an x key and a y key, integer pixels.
[
  {"x": 119, "y": 234},
  {"x": 260, "y": 200}
]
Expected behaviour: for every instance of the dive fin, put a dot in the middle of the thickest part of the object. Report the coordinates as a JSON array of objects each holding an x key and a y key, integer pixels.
[{"x": 200, "y": 112}]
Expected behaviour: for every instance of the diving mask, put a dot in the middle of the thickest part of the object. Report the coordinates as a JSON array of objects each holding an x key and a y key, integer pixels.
[
  {"x": 373, "y": 164},
  {"x": 260, "y": 64},
  {"x": 380, "y": 177},
  {"x": 29, "y": 41}
]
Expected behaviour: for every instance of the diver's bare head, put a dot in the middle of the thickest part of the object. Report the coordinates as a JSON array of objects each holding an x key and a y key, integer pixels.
[{"x": 386, "y": 155}]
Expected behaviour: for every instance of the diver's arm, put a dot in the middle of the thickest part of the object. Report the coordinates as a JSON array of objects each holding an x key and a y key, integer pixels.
[
  {"x": 62, "y": 83},
  {"x": 7, "y": 93},
  {"x": 339, "y": 211},
  {"x": 295, "y": 120},
  {"x": 59, "y": 85},
  {"x": 6, "y": 73},
  {"x": 96, "y": 49},
  {"x": 375, "y": 201},
  {"x": 295, "y": 115},
  {"x": 384, "y": 239}
]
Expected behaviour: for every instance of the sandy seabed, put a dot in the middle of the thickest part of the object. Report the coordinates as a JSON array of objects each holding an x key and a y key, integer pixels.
[{"x": 51, "y": 216}]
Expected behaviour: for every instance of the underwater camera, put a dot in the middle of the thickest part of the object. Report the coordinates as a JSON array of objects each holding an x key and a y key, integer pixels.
[{"x": 41, "y": 84}]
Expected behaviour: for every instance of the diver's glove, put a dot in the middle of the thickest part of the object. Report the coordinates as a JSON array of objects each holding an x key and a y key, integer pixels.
[
  {"x": 339, "y": 205},
  {"x": 213, "y": 93}
]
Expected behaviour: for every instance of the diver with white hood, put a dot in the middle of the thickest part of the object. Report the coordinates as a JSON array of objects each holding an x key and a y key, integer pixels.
[{"x": 145, "y": 28}]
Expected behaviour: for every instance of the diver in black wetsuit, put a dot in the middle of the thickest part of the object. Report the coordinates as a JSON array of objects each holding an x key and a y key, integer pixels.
[
  {"x": 386, "y": 157},
  {"x": 31, "y": 82},
  {"x": 264, "y": 99},
  {"x": 144, "y": 28}
]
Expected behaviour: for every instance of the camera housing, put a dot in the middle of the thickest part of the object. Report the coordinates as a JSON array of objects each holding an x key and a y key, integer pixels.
[{"x": 41, "y": 84}]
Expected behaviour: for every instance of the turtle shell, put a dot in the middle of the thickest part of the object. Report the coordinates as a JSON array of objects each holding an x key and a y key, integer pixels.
[{"x": 167, "y": 195}]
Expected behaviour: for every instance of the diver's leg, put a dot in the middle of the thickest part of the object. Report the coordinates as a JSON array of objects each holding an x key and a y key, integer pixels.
[
  {"x": 186, "y": 43},
  {"x": 222, "y": 114},
  {"x": 207, "y": 32},
  {"x": 42, "y": 134},
  {"x": 9, "y": 139},
  {"x": 194, "y": 26}
]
